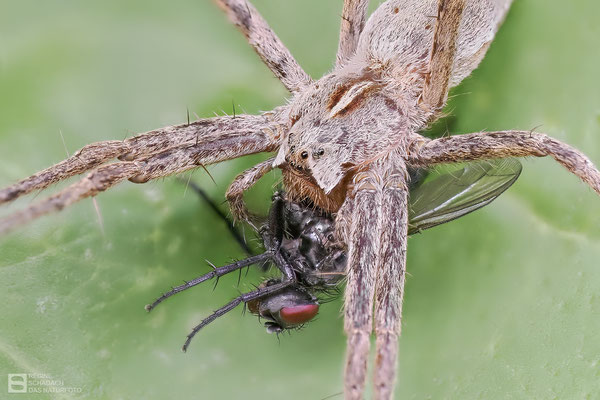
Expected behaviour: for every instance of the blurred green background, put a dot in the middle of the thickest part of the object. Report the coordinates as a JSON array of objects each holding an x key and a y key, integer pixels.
[{"x": 502, "y": 304}]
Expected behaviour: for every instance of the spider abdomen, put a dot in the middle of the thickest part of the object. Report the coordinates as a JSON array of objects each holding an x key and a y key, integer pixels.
[{"x": 400, "y": 33}]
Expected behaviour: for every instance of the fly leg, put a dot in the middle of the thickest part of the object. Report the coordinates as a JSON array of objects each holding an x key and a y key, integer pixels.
[
  {"x": 272, "y": 236},
  {"x": 215, "y": 273},
  {"x": 230, "y": 226}
]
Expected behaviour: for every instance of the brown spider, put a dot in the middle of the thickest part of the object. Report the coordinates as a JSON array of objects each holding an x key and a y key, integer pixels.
[{"x": 344, "y": 141}]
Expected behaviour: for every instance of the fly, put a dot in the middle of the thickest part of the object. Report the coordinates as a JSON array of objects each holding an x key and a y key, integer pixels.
[{"x": 300, "y": 242}]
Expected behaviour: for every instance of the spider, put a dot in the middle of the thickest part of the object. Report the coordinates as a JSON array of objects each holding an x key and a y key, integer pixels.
[{"x": 343, "y": 141}]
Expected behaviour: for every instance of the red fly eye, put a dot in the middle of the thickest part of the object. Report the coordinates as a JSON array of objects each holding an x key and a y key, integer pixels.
[{"x": 297, "y": 315}]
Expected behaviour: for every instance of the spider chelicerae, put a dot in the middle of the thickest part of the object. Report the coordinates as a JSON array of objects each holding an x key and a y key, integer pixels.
[{"x": 344, "y": 141}]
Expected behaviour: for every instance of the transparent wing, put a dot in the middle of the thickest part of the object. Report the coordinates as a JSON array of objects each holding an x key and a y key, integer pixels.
[{"x": 456, "y": 190}]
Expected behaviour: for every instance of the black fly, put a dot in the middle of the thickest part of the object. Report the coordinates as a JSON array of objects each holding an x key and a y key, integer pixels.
[{"x": 300, "y": 242}]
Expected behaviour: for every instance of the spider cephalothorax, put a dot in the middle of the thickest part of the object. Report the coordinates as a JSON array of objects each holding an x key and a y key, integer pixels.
[
  {"x": 345, "y": 142},
  {"x": 350, "y": 115}
]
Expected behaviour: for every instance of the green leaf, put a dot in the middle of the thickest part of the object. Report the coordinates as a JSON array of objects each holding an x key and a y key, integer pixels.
[{"x": 502, "y": 303}]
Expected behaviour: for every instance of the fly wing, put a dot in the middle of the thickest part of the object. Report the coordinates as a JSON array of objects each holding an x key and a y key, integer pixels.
[{"x": 452, "y": 193}]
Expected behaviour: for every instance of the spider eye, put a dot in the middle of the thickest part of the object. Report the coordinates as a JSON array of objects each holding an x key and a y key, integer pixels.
[
  {"x": 299, "y": 314},
  {"x": 304, "y": 155},
  {"x": 318, "y": 153}
]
